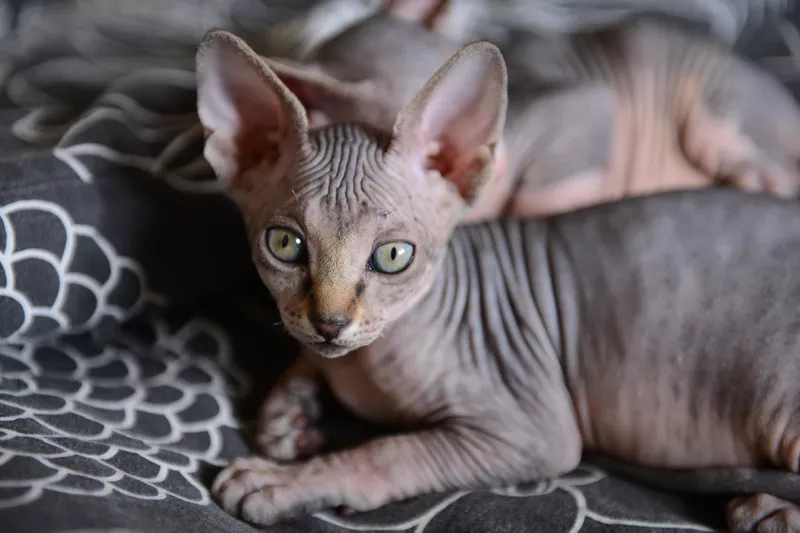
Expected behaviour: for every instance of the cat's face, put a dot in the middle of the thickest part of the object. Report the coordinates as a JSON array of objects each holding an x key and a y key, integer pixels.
[
  {"x": 347, "y": 225},
  {"x": 345, "y": 244}
]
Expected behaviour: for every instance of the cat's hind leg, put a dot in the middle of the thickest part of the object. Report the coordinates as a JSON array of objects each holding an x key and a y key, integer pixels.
[
  {"x": 763, "y": 513},
  {"x": 287, "y": 427},
  {"x": 743, "y": 131},
  {"x": 772, "y": 503},
  {"x": 765, "y": 504}
]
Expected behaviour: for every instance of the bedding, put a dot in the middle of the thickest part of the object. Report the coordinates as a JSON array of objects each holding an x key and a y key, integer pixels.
[{"x": 135, "y": 337}]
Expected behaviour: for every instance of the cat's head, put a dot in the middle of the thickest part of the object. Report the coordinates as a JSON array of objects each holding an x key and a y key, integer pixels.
[{"x": 347, "y": 224}]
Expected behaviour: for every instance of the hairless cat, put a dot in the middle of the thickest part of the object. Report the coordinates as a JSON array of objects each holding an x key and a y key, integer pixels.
[
  {"x": 636, "y": 108},
  {"x": 656, "y": 330},
  {"x": 498, "y": 20}
]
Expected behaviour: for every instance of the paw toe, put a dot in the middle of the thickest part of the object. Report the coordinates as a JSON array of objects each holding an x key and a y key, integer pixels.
[
  {"x": 309, "y": 441},
  {"x": 762, "y": 513},
  {"x": 243, "y": 477},
  {"x": 258, "y": 508},
  {"x": 230, "y": 493},
  {"x": 281, "y": 448},
  {"x": 784, "y": 521},
  {"x": 240, "y": 463}
]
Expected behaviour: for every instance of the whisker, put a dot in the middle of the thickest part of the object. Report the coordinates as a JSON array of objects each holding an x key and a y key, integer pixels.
[{"x": 299, "y": 201}]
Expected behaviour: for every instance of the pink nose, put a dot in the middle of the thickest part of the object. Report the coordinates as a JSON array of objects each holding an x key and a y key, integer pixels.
[{"x": 329, "y": 326}]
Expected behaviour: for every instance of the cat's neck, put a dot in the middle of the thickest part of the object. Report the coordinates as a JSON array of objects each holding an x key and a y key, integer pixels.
[
  {"x": 493, "y": 280},
  {"x": 488, "y": 322}
]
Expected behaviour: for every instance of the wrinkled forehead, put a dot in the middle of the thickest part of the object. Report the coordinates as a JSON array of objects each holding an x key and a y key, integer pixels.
[{"x": 344, "y": 172}]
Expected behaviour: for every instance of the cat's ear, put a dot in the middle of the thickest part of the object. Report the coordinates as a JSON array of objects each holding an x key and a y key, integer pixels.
[
  {"x": 454, "y": 124},
  {"x": 323, "y": 95},
  {"x": 428, "y": 13},
  {"x": 250, "y": 117}
]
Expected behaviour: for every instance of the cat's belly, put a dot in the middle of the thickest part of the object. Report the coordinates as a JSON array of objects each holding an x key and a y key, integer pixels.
[
  {"x": 646, "y": 423},
  {"x": 639, "y": 163}
]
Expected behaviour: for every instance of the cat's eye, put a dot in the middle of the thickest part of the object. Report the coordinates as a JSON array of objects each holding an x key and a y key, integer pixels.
[
  {"x": 285, "y": 245},
  {"x": 392, "y": 257}
]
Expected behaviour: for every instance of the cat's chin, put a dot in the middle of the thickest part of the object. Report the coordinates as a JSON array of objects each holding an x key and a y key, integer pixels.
[{"x": 328, "y": 350}]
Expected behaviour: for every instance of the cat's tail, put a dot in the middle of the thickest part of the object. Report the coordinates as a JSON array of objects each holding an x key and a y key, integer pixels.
[{"x": 706, "y": 481}]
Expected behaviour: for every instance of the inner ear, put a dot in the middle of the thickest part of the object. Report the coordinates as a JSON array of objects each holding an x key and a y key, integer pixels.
[
  {"x": 249, "y": 116},
  {"x": 455, "y": 122},
  {"x": 427, "y": 13}
]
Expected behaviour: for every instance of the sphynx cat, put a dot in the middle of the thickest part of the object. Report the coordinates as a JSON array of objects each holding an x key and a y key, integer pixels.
[
  {"x": 636, "y": 108},
  {"x": 658, "y": 330},
  {"x": 498, "y": 20}
]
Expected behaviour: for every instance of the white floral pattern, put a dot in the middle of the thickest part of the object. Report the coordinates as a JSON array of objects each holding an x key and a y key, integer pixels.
[
  {"x": 164, "y": 143},
  {"x": 86, "y": 420},
  {"x": 73, "y": 300},
  {"x": 573, "y": 486}
]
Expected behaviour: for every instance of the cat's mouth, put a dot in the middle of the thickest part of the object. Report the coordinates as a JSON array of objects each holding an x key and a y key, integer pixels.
[{"x": 329, "y": 350}]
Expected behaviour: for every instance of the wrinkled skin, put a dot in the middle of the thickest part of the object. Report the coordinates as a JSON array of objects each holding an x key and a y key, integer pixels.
[{"x": 504, "y": 349}]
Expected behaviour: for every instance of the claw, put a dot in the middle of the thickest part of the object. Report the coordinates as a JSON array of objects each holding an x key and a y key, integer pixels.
[
  {"x": 300, "y": 420},
  {"x": 309, "y": 441},
  {"x": 345, "y": 510},
  {"x": 286, "y": 431}
]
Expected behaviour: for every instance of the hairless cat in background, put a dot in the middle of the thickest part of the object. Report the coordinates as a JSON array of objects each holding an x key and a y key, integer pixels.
[
  {"x": 659, "y": 330},
  {"x": 635, "y": 108},
  {"x": 498, "y": 20}
]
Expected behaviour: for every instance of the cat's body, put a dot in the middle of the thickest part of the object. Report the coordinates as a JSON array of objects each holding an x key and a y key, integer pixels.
[
  {"x": 591, "y": 330},
  {"x": 496, "y": 20},
  {"x": 640, "y": 107},
  {"x": 508, "y": 351}
]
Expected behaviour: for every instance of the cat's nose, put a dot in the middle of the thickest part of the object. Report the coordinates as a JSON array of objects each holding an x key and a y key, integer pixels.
[{"x": 329, "y": 326}]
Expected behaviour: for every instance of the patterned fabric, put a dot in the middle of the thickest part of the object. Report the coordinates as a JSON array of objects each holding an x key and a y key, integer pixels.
[{"x": 135, "y": 338}]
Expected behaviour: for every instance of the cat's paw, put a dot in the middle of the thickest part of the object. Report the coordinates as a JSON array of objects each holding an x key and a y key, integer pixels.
[
  {"x": 767, "y": 178},
  {"x": 287, "y": 429},
  {"x": 260, "y": 491},
  {"x": 717, "y": 146},
  {"x": 264, "y": 493},
  {"x": 763, "y": 513}
]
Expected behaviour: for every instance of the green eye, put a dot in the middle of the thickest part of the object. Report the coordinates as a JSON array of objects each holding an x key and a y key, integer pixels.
[
  {"x": 285, "y": 245},
  {"x": 392, "y": 257}
]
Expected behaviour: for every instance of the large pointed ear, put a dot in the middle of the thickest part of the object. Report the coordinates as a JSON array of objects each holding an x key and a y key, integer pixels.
[
  {"x": 428, "y": 13},
  {"x": 453, "y": 125},
  {"x": 250, "y": 117},
  {"x": 324, "y": 96}
]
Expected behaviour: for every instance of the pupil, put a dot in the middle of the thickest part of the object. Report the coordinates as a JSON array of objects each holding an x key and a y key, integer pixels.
[
  {"x": 285, "y": 241},
  {"x": 393, "y": 253}
]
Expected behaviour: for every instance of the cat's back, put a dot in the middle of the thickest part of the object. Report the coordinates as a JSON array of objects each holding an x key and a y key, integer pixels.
[
  {"x": 741, "y": 233},
  {"x": 709, "y": 218},
  {"x": 726, "y": 237},
  {"x": 682, "y": 222},
  {"x": 719, "y": 260},
  {"x": 681, "y": 310},
  {"x": 618, "y": 54}
]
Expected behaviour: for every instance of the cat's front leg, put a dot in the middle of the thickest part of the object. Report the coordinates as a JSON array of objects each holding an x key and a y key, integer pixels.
[
  {"x": 287, "y": 427},
  {"x": 378, "y": 472}
]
